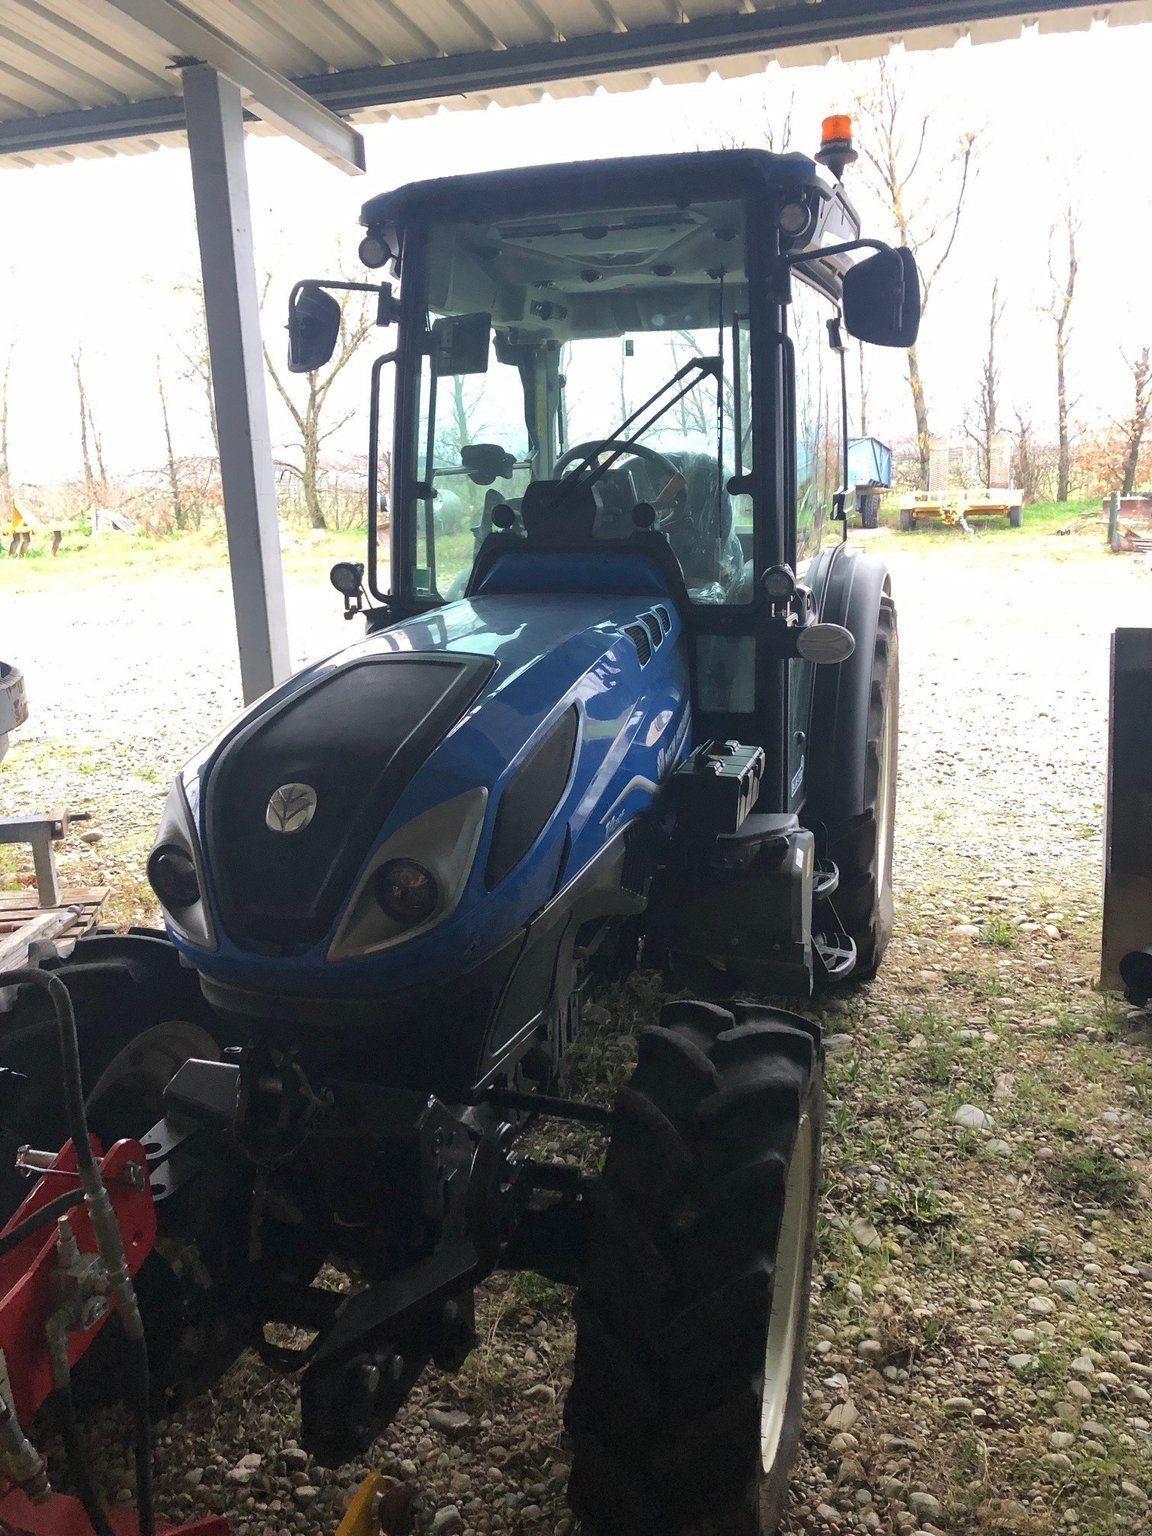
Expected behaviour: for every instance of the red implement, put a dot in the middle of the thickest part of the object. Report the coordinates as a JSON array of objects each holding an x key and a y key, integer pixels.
[
  {"x": 62, "y": 1515},
  {"x": 28, "y": 1294}
]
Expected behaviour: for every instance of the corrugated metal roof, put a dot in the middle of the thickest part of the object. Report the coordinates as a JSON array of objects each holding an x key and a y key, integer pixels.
[{"x": 77, "y": 79}]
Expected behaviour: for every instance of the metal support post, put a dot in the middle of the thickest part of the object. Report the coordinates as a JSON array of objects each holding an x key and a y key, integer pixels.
[
  {"x": 232, "y": 312},
  {"x": 1114, "y": 522},
  {"x": 1128, "y": 830}
]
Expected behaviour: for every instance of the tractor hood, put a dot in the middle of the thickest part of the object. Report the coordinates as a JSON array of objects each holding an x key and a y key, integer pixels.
[{"x": 403, "y": 744}]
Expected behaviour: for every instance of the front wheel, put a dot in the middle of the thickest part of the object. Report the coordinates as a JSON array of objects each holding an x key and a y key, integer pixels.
[{"x": 693, "y": 1304}]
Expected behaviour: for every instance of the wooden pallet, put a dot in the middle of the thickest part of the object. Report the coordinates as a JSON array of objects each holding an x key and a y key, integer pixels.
[{"x": 20, "y": 907}]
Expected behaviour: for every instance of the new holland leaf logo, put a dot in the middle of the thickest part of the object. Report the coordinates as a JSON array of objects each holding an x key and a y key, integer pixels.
[{"x": 291, "y": 808}]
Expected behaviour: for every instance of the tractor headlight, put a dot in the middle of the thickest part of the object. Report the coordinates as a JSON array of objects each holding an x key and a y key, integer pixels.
[
  {"x": 414, "y": 880},
  {"x": 174, "y": 871},
  {"x": 172, "y": 875},
  {"x": 406, "y": 890}
]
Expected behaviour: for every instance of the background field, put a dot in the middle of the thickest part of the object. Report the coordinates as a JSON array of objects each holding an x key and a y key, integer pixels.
[{"x": 981, "y": 1356}]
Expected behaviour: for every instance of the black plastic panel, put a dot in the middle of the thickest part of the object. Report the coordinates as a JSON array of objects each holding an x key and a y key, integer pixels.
[{"x": 531, "y": 797}]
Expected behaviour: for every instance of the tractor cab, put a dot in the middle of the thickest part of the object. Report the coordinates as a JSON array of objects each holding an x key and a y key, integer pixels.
[{"x": 624, "y": 376}]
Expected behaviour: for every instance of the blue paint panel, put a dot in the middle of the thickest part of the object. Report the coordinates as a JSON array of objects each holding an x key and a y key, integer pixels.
[{"x": 552, "y": 653}]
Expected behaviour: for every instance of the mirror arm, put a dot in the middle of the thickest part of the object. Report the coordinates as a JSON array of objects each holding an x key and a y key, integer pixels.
[
  {"x": 800, "y": 257},
  {"x": 330, "y": 283}
]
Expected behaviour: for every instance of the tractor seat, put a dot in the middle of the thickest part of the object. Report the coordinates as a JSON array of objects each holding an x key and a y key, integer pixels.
[{"x": 703, "y": 537}]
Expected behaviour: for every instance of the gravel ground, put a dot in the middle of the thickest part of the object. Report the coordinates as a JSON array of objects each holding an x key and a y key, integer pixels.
[{"x": 981, "y": 1357}]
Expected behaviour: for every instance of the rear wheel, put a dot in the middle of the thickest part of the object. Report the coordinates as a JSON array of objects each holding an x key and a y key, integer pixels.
[
  {"x": 858, "y": 835},
  {"x": 691, "y": 1314}
]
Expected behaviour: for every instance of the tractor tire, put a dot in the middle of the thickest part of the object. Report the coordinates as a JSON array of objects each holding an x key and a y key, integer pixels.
[
  {"x": 907, "y": 521},
  {"x": 139, "y": 1016},
  {"x": 1015, "y": 517},
  {"x": 870, "y": 510},
  {"x": 858, "y": 837},
  {"x": 684, "y": 1412}
]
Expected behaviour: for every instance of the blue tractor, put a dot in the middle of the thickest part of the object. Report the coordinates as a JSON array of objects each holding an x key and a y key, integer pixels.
[{"x": 626, "y": 697}]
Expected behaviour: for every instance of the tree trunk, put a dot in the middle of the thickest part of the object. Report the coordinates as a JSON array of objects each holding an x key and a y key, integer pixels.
[
  {"x": 1137, "y": 426},
  {"x": 89, "y": 476},
  {"x": 920, "y": 407},
  {"x": 310, "y": 446},
  {"x": 863, "y": 393},
  {"x": 5, "y": 462},
  {"x": 178, "y": 513},
  {"x": 1064, "y": 456}
]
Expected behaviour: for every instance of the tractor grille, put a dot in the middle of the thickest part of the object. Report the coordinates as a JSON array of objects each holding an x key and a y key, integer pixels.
[
  {"x": 639, "y": 638},
  {"x": 652, "y": 624},
  {"x": 665, "y": 619}
]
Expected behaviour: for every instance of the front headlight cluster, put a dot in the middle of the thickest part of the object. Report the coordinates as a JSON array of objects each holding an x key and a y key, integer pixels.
[
  {"x": 415, "y": 880},
  {"x": 174, "y": 871},
  {"x": 406, "y": 891}
]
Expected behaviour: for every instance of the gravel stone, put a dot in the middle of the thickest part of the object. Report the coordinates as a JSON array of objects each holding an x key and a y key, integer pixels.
[
  {"x": 972, "y": 1118},
  {"x": 925, "y": 1504}
]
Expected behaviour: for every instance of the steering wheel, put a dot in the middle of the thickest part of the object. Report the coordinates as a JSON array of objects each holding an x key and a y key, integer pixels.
[{"x": 677, "y": 501}]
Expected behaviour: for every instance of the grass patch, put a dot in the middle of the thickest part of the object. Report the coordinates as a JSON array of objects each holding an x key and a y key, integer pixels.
[
  {"x": 539, "y": 1295},
  {"x": 1096, "y": 1176},
  {"x": 997, "y": 934}
]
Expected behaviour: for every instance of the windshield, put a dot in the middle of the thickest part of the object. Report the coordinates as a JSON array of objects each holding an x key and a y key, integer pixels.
[{"x": 609, "y": 347}]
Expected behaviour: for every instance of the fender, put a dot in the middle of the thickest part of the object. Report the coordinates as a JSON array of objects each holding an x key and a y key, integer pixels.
[{"x": 850, "y": 584}]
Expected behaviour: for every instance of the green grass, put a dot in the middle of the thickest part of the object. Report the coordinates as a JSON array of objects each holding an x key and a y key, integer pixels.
[
  {"x": 1095, "y": 1176},
  {"x": 998, "y": 934},
  {"x": 1040, "y": 517},
  {"x": 83, "y": 559}
]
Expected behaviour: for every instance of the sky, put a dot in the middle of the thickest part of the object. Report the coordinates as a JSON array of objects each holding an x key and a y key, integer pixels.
[{"x": 98, "y": 255}]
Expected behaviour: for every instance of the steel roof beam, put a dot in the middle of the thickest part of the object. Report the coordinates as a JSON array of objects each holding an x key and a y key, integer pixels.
[
  {"x": 788, "y": 25},
  {"x": 264, "y": 93}
]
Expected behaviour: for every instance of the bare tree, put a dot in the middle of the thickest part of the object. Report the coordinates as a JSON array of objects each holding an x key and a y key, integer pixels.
[
  {"x": 863, "y": 391},
  {"x": 1033, "y": 462},
  {"x": 193, "y": 349},
  {"x": 91, "y": 449},
  {"x": 923, "y": 189},
  {"x": 1137, "y": 423},
  {"x": 308, "y": 415},
  {"x": 983, "y": 429},
  {"x": 1059, "y": 309},
  {"x": 5, "y": 461},
  {"x": 178, "y": 510}
]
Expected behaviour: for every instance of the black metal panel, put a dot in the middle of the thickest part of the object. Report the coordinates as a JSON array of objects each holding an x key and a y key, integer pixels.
[
  {"x": 708, "y": 37},
  {"x": 355, "y": 738}
]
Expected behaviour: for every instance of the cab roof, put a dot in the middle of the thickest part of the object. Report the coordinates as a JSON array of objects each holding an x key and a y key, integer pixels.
[{"x": 588, "y": 184}]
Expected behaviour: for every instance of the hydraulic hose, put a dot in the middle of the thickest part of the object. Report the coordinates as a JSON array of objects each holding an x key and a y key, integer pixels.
[
  {"x": 40, "y": 1218},
  {"x": 105, "y": 1227},
  {"x": 66, "y": 1422}
]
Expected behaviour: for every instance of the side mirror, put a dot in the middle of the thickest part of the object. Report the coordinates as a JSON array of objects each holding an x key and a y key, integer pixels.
[
  {"x": 460, "y": 344},
  {"x": 313, "y": 328},
  {"x": 882, "y": 299},
  {"x": 486, "y": 462}
]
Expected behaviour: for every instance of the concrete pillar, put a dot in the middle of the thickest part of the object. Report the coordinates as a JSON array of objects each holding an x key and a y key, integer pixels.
[{"x": 232, "y": 310}]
